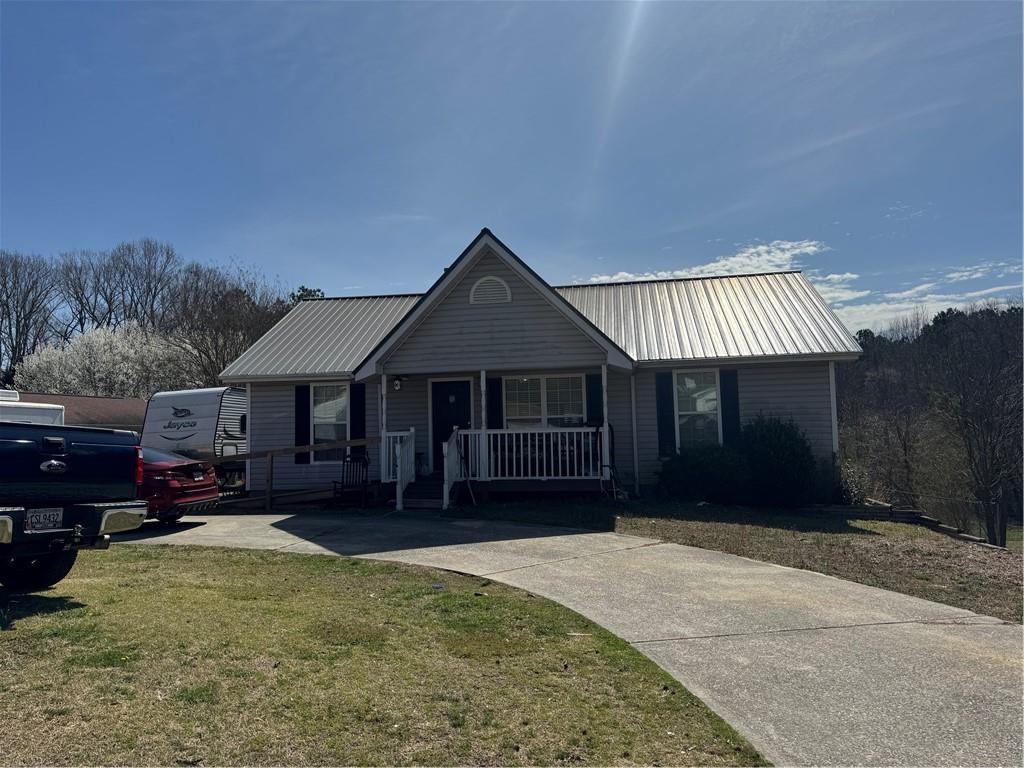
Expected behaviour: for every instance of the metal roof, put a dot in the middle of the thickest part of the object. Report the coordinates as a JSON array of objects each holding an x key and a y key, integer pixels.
[
  {"x": 735, "y": 316},
  {"x": 322, "y": 336},
  {"x": 762, "y": 315}
]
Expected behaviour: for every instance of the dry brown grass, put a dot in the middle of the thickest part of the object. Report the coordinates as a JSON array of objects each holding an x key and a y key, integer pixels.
[
  {"x": 901, "y": 557},
  {"x": 185, "y": 656}
]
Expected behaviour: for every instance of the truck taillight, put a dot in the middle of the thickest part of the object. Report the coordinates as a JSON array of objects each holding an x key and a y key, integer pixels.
[{"x": 138, "y": 465}]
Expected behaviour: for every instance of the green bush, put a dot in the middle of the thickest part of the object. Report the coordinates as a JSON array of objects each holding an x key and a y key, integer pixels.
[
  {"x": 714, "y": 473},
  {"x": 782, "y": 466},
  {"x": 772, "y": 466}
]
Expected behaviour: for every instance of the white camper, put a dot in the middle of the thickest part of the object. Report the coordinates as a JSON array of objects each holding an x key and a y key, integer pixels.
[
  {"x": 12, "y": 409},
  {"x": 201, "y": 424}
]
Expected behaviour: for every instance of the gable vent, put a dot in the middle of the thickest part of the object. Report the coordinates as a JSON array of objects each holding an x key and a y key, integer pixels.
[{"x": 490, "y": 290}]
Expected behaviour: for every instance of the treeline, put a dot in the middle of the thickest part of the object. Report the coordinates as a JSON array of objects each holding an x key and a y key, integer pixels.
[
  {"x": 931, "y": 416},
  {"x": 128, "y": 321}
]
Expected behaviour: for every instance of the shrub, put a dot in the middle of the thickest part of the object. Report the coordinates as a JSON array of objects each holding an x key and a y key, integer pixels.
[
  {"x": 781, "y": 465},
  {"x": 714, "y": 473}
]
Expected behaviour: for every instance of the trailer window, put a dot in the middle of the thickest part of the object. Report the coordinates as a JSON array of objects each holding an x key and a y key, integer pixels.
[{"x": 329, "y": 414}]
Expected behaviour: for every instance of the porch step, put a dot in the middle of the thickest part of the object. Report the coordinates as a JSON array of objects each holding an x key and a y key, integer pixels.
[
  {"x": 421, "y": 503},
  {"x": 424, "y": 493}
]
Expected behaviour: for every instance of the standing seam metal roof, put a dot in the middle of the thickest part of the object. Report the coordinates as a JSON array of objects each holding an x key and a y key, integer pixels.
[{"x": 733, "y": 316}]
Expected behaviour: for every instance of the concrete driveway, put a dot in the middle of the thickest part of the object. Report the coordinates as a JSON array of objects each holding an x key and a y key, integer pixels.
[{"x": 813, "y": 670}]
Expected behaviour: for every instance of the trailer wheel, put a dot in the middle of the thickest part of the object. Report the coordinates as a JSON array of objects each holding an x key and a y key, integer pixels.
[{"x": 28, "y": 574}]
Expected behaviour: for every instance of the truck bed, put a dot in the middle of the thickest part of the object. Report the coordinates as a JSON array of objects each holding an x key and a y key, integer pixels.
[{"x": 47, "y": 465}]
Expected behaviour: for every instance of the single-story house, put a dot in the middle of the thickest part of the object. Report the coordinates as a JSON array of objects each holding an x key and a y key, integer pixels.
[{"x": 496, "y": 377}]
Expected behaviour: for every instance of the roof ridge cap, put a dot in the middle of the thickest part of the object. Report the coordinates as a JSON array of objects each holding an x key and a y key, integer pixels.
[{"x": 681, "y": 279}]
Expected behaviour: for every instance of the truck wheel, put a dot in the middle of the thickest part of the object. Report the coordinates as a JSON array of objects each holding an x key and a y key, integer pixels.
[{"x": 28, "y": 574}]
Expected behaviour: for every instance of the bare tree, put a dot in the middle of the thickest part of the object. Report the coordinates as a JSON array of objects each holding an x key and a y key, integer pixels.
[
  {"x": 90, "y": 289},
  {"x": 221, "y": 313},
  {"x": 27, "y": 299},
  {"x": 977, "y": 370}
]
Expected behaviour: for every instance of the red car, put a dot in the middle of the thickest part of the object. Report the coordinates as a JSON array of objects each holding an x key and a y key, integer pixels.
[{"x": 176, "y": 485}]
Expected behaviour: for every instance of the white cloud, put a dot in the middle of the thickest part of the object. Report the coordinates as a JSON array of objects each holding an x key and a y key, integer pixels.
[
  {"x": 984, "y": 269},
  {"x": 917, "y": 290},
  {"x": 842, "y": 290},
  {"x": 776, "y": 256},
  {"x": 1004, "y": 289}
]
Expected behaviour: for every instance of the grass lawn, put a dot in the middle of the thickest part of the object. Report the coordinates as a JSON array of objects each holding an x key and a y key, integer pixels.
[
  {"x": 897, "y": 556},
  {"x": 187, "y": 656}
]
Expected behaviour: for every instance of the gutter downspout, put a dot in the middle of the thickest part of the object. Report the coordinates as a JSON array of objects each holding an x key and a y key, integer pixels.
[{"x": 636, "y": 451}]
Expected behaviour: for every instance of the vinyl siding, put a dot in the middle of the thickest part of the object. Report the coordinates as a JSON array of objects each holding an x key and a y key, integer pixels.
[
  {"x": 272, "y": 425},
  {"x": 620, "y": 420},
  {"x": 529, "y": 332},
  {"x": 798, "y": 391}
]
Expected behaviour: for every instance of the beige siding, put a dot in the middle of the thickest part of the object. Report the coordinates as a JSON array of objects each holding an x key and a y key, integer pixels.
[
  {"x": 798, "y": 391},
  {"x": 272, "y": 425},
  {"x": 527, "y": 333}
]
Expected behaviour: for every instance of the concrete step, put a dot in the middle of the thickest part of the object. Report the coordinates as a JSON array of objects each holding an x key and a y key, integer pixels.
[{"x": 421, "y": 503}]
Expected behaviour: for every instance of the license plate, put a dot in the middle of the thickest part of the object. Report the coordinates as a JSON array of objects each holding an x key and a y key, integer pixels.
[
  {"x": 44, "y": 519},
  {"x": 198, "y": 475}
]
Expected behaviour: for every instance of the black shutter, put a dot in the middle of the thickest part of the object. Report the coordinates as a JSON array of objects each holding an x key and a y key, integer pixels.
[
  {"x": 664, "y": 399},
  {"x": 728, "y": 385},
  {"x": 495, "y": 404},
  {"x": 595, "y": 401},
  {"x": 302, "y": 421},
  {"x": 357, "y": 415}
]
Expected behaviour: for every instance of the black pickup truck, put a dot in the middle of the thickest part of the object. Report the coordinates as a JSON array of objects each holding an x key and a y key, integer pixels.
[{"x": 63, "y": 489}]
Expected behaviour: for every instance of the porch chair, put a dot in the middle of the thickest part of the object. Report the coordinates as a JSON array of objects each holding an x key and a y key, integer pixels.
[{"x": 354, "y": 479}]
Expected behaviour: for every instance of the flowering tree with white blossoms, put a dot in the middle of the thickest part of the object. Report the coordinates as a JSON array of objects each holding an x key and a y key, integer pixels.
[{"x": 128, "y": 361}]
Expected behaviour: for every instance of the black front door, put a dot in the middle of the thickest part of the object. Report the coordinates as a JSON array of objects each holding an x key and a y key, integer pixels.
[{"x": 449, "y": 408}]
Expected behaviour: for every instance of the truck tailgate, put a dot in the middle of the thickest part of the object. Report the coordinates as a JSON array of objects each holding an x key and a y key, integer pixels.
[{"x": 55, "y": 465}]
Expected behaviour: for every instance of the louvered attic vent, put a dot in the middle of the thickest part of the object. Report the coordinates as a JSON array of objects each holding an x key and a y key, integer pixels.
[{"x": 490, "y": 290}]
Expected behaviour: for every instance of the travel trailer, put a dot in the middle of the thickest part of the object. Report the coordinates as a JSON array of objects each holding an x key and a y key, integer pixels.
[
  {"x": 200, "y": 424},
  {"x": 12, "y": 409}
]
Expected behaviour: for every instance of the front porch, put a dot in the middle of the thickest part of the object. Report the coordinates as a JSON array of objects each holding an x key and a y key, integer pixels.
[{"x": 524, "y": 430}]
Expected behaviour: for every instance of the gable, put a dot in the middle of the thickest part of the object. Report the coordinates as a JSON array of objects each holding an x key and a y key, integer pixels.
[{"x": 462, "y": 332}]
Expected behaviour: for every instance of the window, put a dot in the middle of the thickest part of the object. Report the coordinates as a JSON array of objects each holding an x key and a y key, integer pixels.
[
  {"x": 697, "y": 419},
  {"x": 523, "y": 403},
  {"x": 538, "y": 401},
  {"x": 564, "y": 401},
  {"x": 329, "y": 414}
]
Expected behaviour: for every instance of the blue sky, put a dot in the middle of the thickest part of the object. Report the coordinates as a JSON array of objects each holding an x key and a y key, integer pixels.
[{"x": 359, "y": 147}]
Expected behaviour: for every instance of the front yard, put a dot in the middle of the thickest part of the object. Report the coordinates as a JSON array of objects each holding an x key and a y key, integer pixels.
[
  {"x": 187, "y": 656},
  {"x": 897, "y": 556}
]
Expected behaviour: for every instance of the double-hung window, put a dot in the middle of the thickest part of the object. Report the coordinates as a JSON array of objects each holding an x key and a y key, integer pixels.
[
  {"x": 329, "y": 416},
  {"x": 697, "y": 413},
  {"x": 535, "y": 402}
]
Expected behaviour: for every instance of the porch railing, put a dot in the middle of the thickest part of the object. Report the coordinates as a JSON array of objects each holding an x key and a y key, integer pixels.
[
  {"x": 389, "y": 440},
  {"x": 452, "y": 467},
  {"x": 518, "y": 454},
  {"x": 400, "y": 466}
]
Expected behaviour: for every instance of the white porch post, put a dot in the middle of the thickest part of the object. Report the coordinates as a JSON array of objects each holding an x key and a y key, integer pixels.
[
  {"x": 484, "y": 458},
  {"x": 605, "y": 453},
  {"x": 383, "y": 426}
]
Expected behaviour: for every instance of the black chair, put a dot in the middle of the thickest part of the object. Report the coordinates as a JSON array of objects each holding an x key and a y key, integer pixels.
[{"x": 354, "y": 479}]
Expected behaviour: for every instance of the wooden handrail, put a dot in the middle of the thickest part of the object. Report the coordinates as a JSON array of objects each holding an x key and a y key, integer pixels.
[{"x": 290, "y": 450}]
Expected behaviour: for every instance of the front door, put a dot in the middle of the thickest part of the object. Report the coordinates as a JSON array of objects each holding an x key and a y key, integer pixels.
[{"x": 449, "y": 408}]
